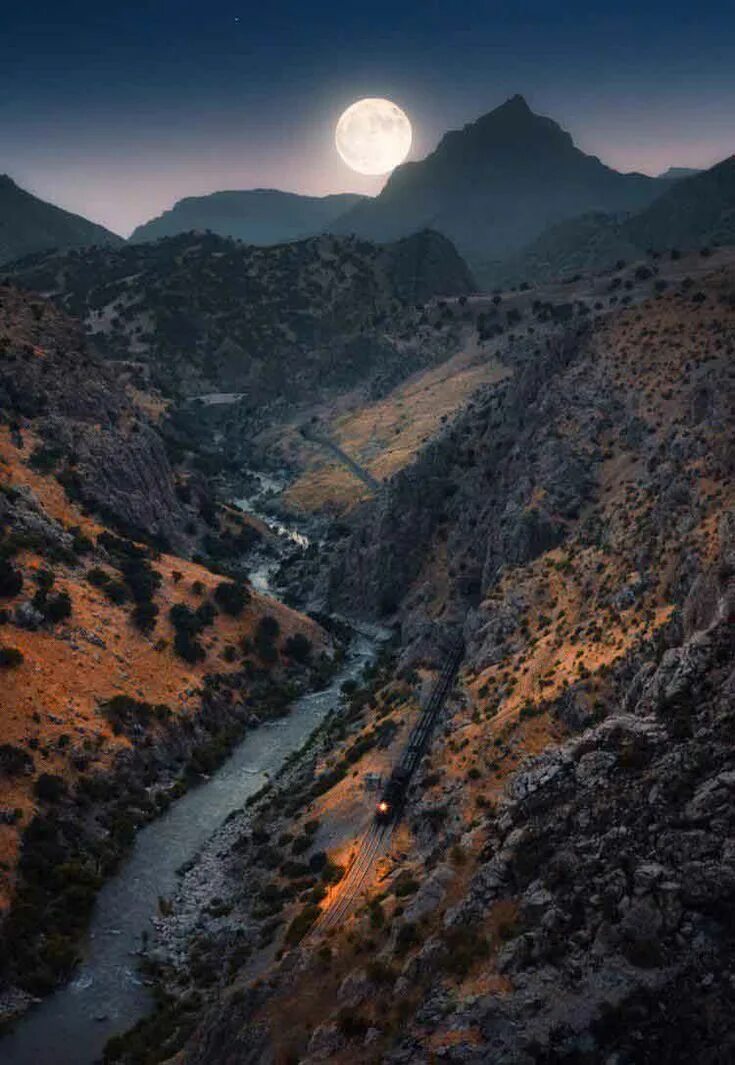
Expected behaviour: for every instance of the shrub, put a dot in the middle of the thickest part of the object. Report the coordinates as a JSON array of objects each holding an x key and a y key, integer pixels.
[
  {"x": 144, "y": 616},
  {"x": 406, "y": 937},
  {"x": 298, "y": 647},
  {"x": 58, "y": 607},
  {"x": 124, "y": 712},
  {"x": 10, "y": 657},
  {"x": 14, "y": 761},
  {"x": 350, "y": 1024},
  {"x": 231, "y": 598},
  {"x": 50, "y": 788},
  {"x": 11, "y": 580},
  {"x": 405, "y": 885},
  {"x": 188, "y": 647},
  {"x": 465, "y": 945},
  {"x": 98, "y": 577},
  {"x": 141, "y": 578},
  {"x": 301, "y": 924},
  {"x": 265, "y": 634}
]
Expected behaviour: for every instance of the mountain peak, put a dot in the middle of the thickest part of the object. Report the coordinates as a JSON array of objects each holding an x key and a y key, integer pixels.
[{"x": 514, "y": 104}]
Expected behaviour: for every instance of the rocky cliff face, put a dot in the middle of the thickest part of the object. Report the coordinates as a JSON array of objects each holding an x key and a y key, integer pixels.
[
  {"x": 615, "y": 851},
  {"x": 102, "y": 446}
]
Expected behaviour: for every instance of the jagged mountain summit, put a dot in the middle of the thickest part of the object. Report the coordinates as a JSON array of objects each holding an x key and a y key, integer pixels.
[
  {"x": 29, "y": 225},
  {"x": 257, "y": 216},
  {"x": 494, "y": 185}
]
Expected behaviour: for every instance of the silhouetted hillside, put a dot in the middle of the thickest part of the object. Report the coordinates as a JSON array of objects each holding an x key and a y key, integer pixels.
[
  {"x": 257, "y": 216},
  {"x": 691, "y": 213},
  {"x": 29, "y": 225}
]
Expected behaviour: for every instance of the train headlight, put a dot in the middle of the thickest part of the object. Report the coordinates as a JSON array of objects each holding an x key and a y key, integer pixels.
[{"x": 383, "y": 807}]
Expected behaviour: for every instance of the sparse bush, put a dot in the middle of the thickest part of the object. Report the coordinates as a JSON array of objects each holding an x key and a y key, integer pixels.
[
  {"x": 14, "y": 761},
  {"x": 265, "y": 634},
  {"x": 144, "y": 616},
  {"x": 10, "y": 657},
  {"x": 298, "y": 647},
  {"x": 11, "y": 579},
  {"x": 231, "y": 598},
  {"x": 188, "y": 647},
  {"x": 301, "y": 924},
  {"x": 58, "y": 607},
  {"x": 50, "y": 788},
  {"x": 125, "y": 713}
]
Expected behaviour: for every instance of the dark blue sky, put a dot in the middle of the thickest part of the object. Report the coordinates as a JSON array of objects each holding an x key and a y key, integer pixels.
[{"x": 117, "y": 110}]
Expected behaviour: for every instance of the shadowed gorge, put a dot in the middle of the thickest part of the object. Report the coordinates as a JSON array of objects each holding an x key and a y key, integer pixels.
[{"x": 367, "y": 551}]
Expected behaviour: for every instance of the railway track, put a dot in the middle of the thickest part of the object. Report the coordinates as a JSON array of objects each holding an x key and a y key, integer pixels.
[
  {"x": 372, "y": 846},
  {"x": 376, "y": 838}
]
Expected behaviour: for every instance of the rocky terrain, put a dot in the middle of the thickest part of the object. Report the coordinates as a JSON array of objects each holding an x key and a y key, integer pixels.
[
  {"x": 561, "y": 887},
  {"x": 128, "y": 669},
  {"x": 29, "y": 225}
]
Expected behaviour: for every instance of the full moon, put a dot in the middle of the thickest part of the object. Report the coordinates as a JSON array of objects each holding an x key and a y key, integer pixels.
[{"x": 373, "y": 136}]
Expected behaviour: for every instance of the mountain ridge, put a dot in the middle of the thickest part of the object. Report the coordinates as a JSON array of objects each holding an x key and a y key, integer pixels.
[
  {"x": 29, "y": 225},
  {"x": 495, "y": 184},
  {"x": 260, "y": 216}
]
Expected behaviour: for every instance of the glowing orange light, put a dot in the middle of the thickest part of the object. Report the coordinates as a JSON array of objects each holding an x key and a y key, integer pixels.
[{"x": 383, "y": 807}]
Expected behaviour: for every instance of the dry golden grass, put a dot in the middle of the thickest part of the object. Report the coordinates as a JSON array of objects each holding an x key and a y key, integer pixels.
[
  {"x": 385, "y": 436},
  {"x": 52, "y": 699}
]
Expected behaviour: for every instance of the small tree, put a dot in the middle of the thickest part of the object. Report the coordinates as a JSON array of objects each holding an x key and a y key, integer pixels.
[
  {"x": 11, "y": 580},
  {"x": 298, "y": 647},
  {"x": 231, "y": 597},
  {"x": 50, "y": 788},
  {"x": 10, "y": 657}
]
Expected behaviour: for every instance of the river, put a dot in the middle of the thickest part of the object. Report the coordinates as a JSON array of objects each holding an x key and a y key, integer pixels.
[{"x": 106, "y": 995}]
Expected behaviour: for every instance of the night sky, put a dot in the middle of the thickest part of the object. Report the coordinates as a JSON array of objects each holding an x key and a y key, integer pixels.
[{"x": 115, "y": 111}]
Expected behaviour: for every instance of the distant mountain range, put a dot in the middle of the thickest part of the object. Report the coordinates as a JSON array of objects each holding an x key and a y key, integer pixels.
[
  {"x": 29, "y": 225},
  {"x": 512, "y": 191},
  {"x": 256, "y": 216},
  {"x": 676, "y": 173},
  {"x": 689, "y": 213}
]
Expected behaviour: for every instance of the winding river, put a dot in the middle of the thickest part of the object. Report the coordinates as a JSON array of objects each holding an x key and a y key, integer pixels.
[{"x": 107, "y": 995}]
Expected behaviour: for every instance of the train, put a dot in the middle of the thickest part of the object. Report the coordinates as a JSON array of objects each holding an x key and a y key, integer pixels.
[{"x": 391, "y": 801}]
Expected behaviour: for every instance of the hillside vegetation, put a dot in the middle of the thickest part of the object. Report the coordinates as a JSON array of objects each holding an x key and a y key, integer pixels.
[
  {"x": 126, "y": 670},
  {"x": 277, "y": 324}
]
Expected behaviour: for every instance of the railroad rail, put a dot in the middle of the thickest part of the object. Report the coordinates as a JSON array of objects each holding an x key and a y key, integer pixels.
[
  {"x": 377, "y": 836},
  {"x": 317, "y": 437}
]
